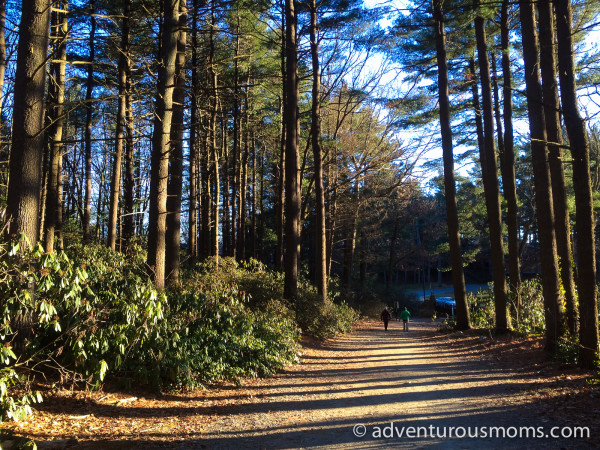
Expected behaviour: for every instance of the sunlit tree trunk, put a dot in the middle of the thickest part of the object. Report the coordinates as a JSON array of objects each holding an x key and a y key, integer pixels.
[
  {"x": 458, "y": 279},
  {"x": 292, "y": 157},
  {"x": 159, "y": 173},
  {"x": 320, "y": 229},
  {"x": 3, "y": 61},
  {"x": 555, "y": 158},
  {"x": 392, "y": 257},
  {"x": 56, "y": 90},
  {"x": 508, "y": 166},
  {"x": 489, "y": 174},
  {"x": 584, "y": 207},
  {"x": 193, "y": 142},
  {"x": 28, "y": 120},
  {"x": 115, "y": 183},
  {"x": 175, "y": 186},
  {"x": 129, "y": 181},
  {"x": 235, "y": 156},
  {"x": 280, "y": 186},
  {"x": 88, "y": 125},
  {"x": 541, "y": 174}
]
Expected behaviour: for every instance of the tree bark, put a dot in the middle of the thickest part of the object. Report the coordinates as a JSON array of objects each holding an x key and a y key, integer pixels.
[
  {"x": 320, "y": 228},
  {"x": 292, "y": 157},
  {"x": 253, "y": 235},
  {"x": 115, "y": 182},
  {"x": 243, "y": 178},
  {"x": 56, "y": 98},
  {"x": 236, "y": 147},
  {"x": 392, "y": 256},
  {"x": 193, "y": 143},
  {"x": 175, "y": 186},
  {"x": 489, "y": 174},
  {"x": 458, "y": 279},
  {"x": 88, "y": 126},
  {"x": 508, "y": 167},
  {"x": 3, "y": 62},
  {"x": 541, "y": 174},
  {"x": 350, "y": 241},
  {"x": 477, "y": 109},
  {"x": 281, "y": 171},
  {"x": 28, "y": 121},
  {"x": 159, "y": 172},
  {"x": 584, "y": 209},
  {"x": 214, "y": 153},
  {"x": 555, "y": 157},
  {"x": 129, "y": 181},
  {"x": 206, "y": 195}
]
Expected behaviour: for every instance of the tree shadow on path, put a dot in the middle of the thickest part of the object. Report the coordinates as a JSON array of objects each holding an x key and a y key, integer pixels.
[{"x": 364, "y": 390}]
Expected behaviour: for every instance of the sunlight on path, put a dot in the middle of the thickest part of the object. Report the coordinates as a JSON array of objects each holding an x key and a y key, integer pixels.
[{"x": 349, "y": 394}]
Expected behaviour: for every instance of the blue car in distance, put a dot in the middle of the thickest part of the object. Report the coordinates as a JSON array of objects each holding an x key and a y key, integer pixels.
[{"x": 445, "y": 305}]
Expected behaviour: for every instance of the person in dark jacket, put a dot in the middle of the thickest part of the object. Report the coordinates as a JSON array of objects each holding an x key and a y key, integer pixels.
[{"x": 385, "y": 317}]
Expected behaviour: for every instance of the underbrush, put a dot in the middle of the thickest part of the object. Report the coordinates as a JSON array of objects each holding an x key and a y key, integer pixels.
[
  {"x": 526, "y": 320},
  {"x": 79, "y": 316},
  {"x": 264, "y": 289}
]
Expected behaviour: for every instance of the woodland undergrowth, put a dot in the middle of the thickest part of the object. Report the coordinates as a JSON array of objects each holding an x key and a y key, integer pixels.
[{"x": 88, "y": 315}]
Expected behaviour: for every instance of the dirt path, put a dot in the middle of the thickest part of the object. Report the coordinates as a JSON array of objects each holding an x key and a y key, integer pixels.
[{"x": 345, "y": 395}]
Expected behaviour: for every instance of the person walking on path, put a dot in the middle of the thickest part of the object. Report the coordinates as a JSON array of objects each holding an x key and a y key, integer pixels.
[
  {"x": 385, "y": 317},
  {"x": 405, "y": 316}
]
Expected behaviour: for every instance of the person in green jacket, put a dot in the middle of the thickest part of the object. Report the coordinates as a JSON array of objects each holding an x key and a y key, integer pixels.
[{"x": 405, "y": 316}]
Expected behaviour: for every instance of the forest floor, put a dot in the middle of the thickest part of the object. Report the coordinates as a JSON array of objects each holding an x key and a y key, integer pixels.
[{"x": 363, "y": 390}]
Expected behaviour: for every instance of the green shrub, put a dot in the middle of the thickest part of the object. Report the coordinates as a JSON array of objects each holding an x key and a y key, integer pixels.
[
  {"x": 97, "y": 313},
  {"x": 530, "y": 319},
  {"x": 219, "y": 337},
  {"x": 567, "y": 349},
  {"x": 264, "y": 287},
  {"x": 482, "y": 310}
]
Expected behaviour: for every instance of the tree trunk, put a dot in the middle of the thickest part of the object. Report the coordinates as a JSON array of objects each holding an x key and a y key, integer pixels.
[
  {"x": 28, "y": 121},
  {"x": 115, "y": 182},
  {"x": 3, "y": 61},
  {"x": 88, "y": 126},
  {"x": 292, "y": 157},
  {"x": 261, "y": 202},
  {"x": 206, "y": 196},
  {"x": 477, "y": 108},
  {"x": 541, "y": 174},
  {"x": 253, "y": 204},
  {"x": 362, "y": 265},
  {"x": 56, "y": 98},
  {"x": 236, "y": 148},
  {"x": 320, "y": 228},
  {"x": 458, "y": 279},
  {"x": 584, "y": 208},
  {"x": 226, "y": 184},
  {"x": 175, "y": 186},
  {"x": 214, "y": 154},
  {"x": 562, "y": 224},
  {"x": 159, "y": 172},
  {"x": 331, "y": 204},
  {"x": 392, "y": 257},
  {"x": 280, "y": 189},
  {"x": 243, "y": 177},
  {"x": 349, "y": 244},
  {"x": 193, "y": 143},
  {"x": 508, "y": 167},
  {"x": 489, "y": 174},
  {"x": 129, "y": 181}
]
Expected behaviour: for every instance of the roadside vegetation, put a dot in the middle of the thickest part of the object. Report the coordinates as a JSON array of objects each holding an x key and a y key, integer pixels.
[{"x": 89, "y": 315}]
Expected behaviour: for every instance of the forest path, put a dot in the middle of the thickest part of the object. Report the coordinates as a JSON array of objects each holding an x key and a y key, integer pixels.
[{"x": 339, "y": 397}]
